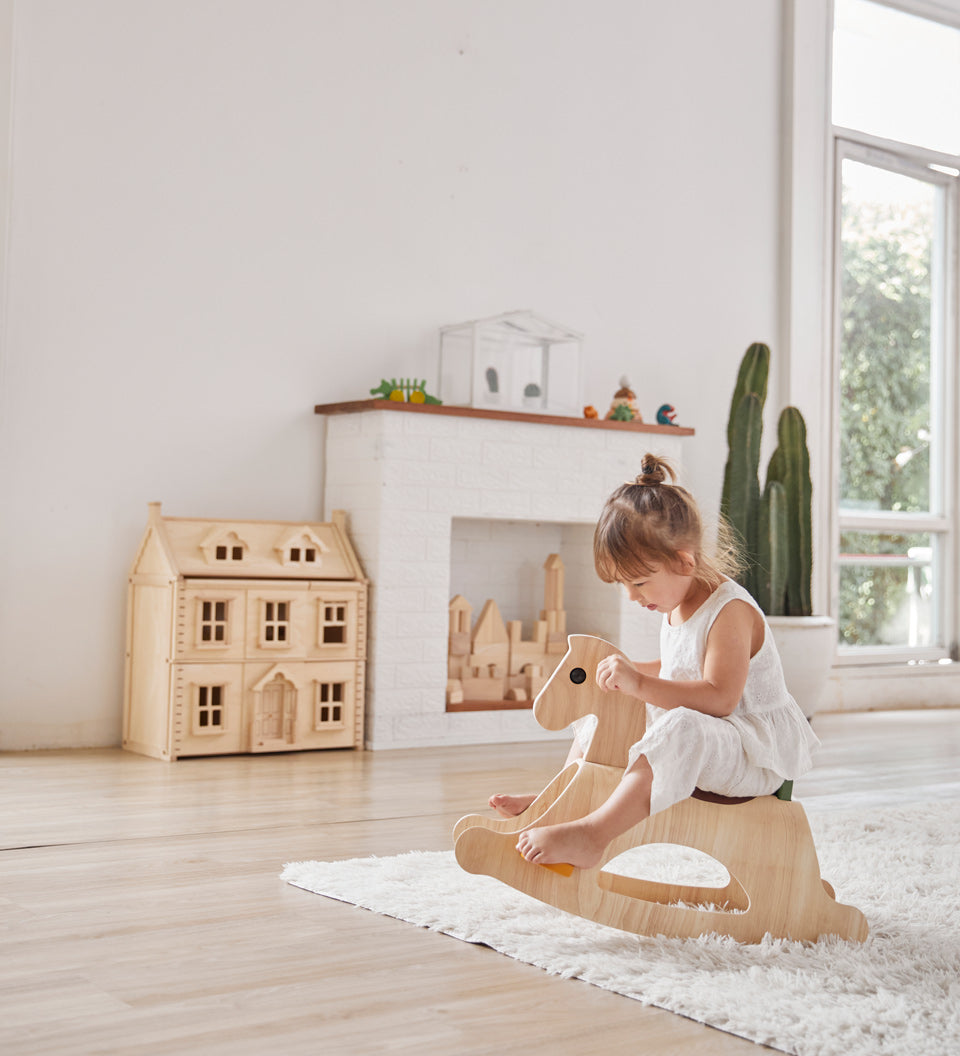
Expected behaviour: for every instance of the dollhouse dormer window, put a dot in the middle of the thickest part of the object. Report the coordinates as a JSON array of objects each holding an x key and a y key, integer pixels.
[
  {"x": 301, "y": 549},
  {"x": 222, "y": 546}
]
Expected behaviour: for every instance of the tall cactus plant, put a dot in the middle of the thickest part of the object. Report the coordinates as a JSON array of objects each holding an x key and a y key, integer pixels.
[{"x": 774, "y": 525}]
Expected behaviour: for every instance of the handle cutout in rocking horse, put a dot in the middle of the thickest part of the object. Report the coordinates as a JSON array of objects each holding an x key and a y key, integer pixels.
[{"x": 625, "y": 875}]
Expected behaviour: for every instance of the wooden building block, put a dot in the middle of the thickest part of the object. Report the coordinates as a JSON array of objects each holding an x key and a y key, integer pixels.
[{"x": 500, "y": 661}]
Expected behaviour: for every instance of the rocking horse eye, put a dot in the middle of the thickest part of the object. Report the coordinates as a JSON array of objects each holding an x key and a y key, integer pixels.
[{"x": 578, "y": 676}]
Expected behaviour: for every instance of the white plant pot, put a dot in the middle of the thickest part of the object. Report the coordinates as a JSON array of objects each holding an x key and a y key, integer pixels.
[{"x": 807, "y": 646}]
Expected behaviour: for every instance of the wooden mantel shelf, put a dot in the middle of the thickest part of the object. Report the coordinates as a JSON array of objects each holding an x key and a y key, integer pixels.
[{"x": 353, "y": 406}]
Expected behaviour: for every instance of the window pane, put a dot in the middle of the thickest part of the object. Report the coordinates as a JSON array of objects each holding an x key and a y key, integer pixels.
[
  {"x": 889, "y": 232},
  {"x": 896, "y": 75},
  {"x": 886, "y": 589}
]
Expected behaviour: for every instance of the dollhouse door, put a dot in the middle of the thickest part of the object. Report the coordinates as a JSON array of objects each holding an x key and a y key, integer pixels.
[
  {"x": 271, "y": 712},
  {"x": 273, "y": 722}
]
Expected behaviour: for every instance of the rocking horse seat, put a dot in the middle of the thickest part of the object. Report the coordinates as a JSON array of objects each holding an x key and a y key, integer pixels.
[{"x": 764, "y": 844}]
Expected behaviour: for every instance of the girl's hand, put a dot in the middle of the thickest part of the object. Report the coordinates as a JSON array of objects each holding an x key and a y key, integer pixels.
[{"x": 616, "y": 672}]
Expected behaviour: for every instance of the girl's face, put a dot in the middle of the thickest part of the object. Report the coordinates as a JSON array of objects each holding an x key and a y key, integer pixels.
[{"x": 663, "y": 589}]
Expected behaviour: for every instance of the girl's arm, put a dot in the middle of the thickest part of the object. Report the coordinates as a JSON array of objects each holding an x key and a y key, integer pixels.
[{"x": 736, "y": 636}]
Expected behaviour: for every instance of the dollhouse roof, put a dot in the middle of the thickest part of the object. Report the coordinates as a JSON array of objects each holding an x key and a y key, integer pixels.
[{"x": 195, "y": 548}]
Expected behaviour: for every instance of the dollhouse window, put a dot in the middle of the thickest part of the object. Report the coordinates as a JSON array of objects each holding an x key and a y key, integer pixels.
[
  {"x": 330, "y": 700},
  {"x": 275, "y": 627},
  {"x": 333, "y": 630},
  {"x": 220, "y": 547},
  {"x": 301, "y": 550},
  {"x": 209, "y": 711},
  {"x": 213, "y": 625},
  {"x": 229, "y": 553}
]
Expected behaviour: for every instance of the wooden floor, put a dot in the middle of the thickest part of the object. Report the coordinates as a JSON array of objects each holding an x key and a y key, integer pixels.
[{"x": 141, "y": 910}]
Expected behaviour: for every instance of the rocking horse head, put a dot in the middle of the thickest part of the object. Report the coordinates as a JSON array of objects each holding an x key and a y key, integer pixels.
[{"x": 572, "y": 693}]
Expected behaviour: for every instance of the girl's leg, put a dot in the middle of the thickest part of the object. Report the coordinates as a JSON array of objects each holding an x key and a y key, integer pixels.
[
  {"x": 508, "y": 806},
  {"x": 582, "y": 842}
]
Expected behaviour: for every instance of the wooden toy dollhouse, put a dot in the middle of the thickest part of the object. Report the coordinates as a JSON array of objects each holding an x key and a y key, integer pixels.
[
  {"x": 492, "y": 664},
  {"x": 244, "y": 636}
]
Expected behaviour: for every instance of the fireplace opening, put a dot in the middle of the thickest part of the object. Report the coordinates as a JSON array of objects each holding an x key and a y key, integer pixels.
[{"x": 519, "y": 588}]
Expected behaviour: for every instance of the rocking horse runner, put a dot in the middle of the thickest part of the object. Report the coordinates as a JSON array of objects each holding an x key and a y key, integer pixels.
[{"x": 721, "y": 721}]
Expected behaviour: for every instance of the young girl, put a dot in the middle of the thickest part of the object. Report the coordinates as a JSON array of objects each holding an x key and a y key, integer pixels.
[{"x": 719, "y": 717}]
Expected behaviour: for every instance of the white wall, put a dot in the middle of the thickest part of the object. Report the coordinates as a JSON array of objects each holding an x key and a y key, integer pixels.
[{"x": 222, "y": 212}]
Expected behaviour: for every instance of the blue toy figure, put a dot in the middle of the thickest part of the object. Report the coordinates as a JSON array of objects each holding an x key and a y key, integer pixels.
[{"x": 666, "y": 415}]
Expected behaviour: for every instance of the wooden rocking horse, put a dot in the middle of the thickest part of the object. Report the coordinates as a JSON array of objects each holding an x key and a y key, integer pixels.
[{"x": 764, "y": 843}]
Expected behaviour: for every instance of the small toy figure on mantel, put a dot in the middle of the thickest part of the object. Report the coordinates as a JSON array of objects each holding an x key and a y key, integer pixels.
[
  {"x": 666, "y": 414},
  {"x": 624, "y": 406},
  {"x": 406, "y": 390}
]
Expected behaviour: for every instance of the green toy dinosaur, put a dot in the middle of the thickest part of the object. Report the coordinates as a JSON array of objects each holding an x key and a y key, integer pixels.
[{"x": 407, "y": 390}]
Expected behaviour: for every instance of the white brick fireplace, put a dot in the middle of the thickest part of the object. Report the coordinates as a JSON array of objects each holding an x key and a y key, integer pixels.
[{"x": 418, "y": 482}]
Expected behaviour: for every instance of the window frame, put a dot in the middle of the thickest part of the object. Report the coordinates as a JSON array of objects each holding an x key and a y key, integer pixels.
[
  {"x": 332, "y": 704},
  {"x": 276, "y": 630},
  {"x": 348, "y": 624},
  {"x": 203, "y": 703},
  {"x": 940, "y": 521},
  {"x": 213, "y": 623}
]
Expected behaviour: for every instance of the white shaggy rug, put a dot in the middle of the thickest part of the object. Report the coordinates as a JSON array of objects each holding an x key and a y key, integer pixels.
[{"x": 898, "y": 993}]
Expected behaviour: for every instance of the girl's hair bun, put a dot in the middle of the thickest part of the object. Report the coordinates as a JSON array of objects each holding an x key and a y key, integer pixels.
[{"x": 654, "y": 471}]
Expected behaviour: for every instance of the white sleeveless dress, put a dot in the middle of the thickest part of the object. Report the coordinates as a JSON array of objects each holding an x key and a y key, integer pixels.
[{"x": 751, "y": 752}]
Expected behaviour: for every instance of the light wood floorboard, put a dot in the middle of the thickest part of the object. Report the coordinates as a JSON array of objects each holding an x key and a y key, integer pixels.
[{"x": 141, "y": 911}]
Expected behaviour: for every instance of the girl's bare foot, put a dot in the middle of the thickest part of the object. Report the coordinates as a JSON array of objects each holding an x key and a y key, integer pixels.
[
  {"x": 573, "y": 842},
  {"x": 510, "y": 806}
]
